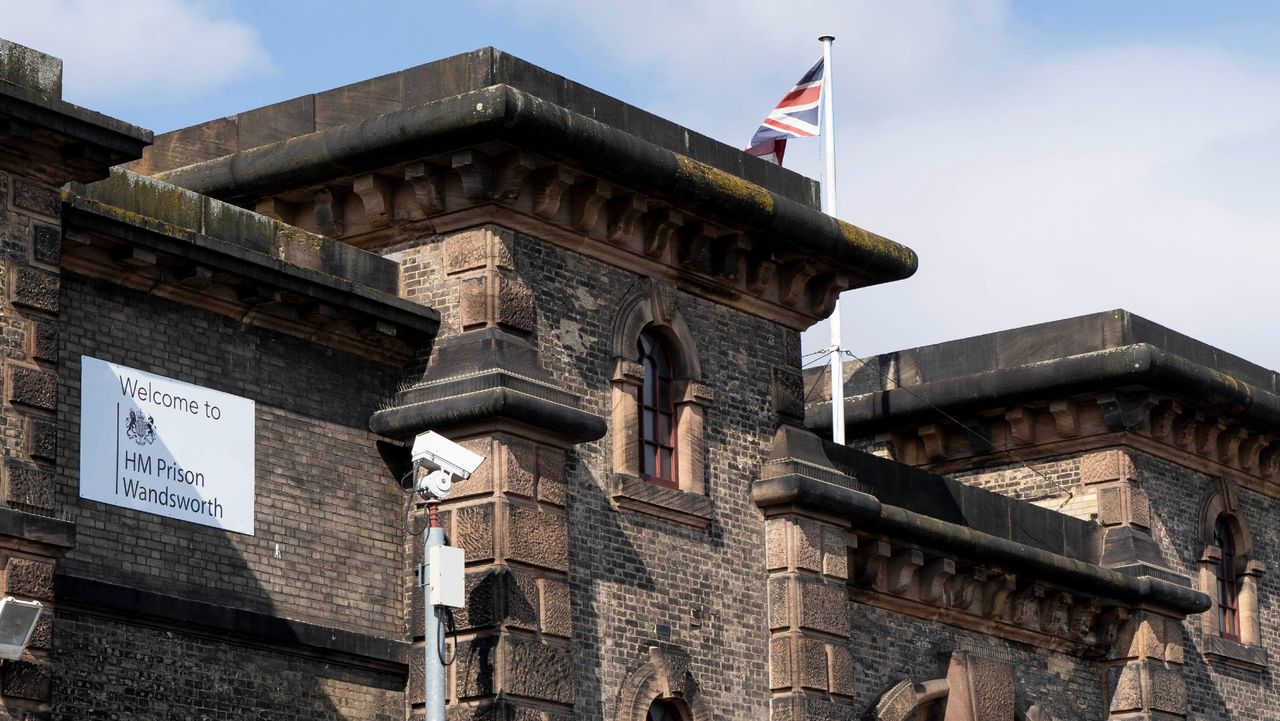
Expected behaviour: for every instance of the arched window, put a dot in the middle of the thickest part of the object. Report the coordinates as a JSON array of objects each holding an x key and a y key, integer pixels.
[
  {"x": 1228, "y": 582},
  {"x": 661, "y": 710},
  {"x": 1229, "y": 575},
  {"x": 659, "y": 401},
  {"x": 658, "y": 461}
]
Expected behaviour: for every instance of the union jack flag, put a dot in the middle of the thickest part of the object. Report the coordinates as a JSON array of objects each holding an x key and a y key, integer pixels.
[{"x": 795, "y": 117}]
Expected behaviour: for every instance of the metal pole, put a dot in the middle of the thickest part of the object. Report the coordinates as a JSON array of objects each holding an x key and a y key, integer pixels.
[
  {"x": 828, "y": 130},
  {"x": 433, "y": 639}
]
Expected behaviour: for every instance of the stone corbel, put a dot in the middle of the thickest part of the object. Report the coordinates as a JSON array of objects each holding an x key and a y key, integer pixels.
[
  {"x": 761, "y": 273},
  {"x": 902, "y": 571},
  {"x": 1184, "y": 429},
  {"x": 934, "y": 578},
  {"x": 1229, "y": 445},
  {"x": 962, "y": 590},
  {"x": 1022, "y": 425},
  {"x": 1055, "y": 614},
  {"x": 869, "y": 561},
  {"x": 660, "y": 226},
  {"x": 549, "y": 185},
  {"x": 1106, "y": 627},
  {"x": 427, "y": 182},
  {"x": 1251, "y": 451},
  {"x": 996, "y": 593},
  {"x": 1163, "y": 419},
  {"x": 585, "y": 201},
  {"x": 511, "y": 171},
  {"x": 729, "y": 255},
  {"x": 1081, "y": 619},
  {"x": 1025, "y": 606},
  {"x": 794, "y": 278},
  {"x": 476, "y": 172},
  {"x": 1125, "y": 411},
  {"x": 824, "y": 291},
  {"x": 328, "y": 212},
  {"x": 1066, "y": 417},
  {"x": 934, "y": 439},
  {"x": 693, "y": 247},
  {"x": 1207, "y": 436},
  {"x": 621, "y": 215},
  {"x": 377, "y": 195}
]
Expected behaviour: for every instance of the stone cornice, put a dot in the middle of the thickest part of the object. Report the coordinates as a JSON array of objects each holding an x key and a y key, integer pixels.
[
  {"x": 251, "y": 282},
  {"x": 925, "y": 546},
  {"x": 501, "y": 155},
  {"x": 53, "y": 140}
]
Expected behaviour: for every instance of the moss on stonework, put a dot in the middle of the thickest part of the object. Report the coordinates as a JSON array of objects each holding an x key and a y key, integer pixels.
[
  {"x": 893, "y": 253},
  {"x": 700, "y": 174}
]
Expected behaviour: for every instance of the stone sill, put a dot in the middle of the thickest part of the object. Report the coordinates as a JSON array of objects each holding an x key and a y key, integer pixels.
[
  {"x": 635, "y": 494},
  {"x": 1232, "y": 653}
]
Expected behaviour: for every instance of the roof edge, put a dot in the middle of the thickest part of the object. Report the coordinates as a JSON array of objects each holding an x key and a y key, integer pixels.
[{"x": 502, "y": 112}]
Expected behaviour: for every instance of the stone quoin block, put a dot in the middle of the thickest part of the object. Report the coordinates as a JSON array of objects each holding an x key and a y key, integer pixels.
[
  {"x": 551, "y": 488},
  {"x": 46, "y": 243},
  {"x": 780, "y": 662},
  {"x": 36, "y": 198},
  {"x": 539, "y": 670},
  {"x": 537, "y": 537},
  {"x": 813, "y": 669},
  {"x": 824, "y": 607},
  {"x": 33, "y": 387},
  {"x": 44, "y": 341},
  {"x": 466, "y": 251},
  {"x": 473, "y": 667},
  {"x": 480, "y": 482},
  {"x": 36, "y": 289},
  {"x": 27, "y": 679},
  {"x": 1168, "y": 690},
  {"x": 808, "y": 540},
  {"x": 473, "y": 531},
  {"x": 522, "y": 600},
  {"x": 25, "y": 577},
  {"x": 29, "y": 486},
  {"x": 521, "y": 469},
  {"x": 473, "y": 305},
  {"x": 42, "y": 439},
  {"x": 557, "y": 613},
  {"x": 515, "y": 304},
  {"x": 1106, "y": 466}
]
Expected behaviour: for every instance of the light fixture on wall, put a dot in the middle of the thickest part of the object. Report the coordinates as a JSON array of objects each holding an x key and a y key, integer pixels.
[{"x": 17, "y": 622}]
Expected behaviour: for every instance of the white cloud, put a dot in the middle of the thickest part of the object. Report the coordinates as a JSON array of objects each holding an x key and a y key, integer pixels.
[
  {"x": 137, "y": 51},
  {"x": 1035, "y": 183}
]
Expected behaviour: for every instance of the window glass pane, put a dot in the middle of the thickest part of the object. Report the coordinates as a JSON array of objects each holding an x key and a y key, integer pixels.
[
  {"x": 647, "y": 429},
  {"x": 666, "y": 463},
  {"x": 646, "y": 459},
  {"x": 664, "y": 429}
]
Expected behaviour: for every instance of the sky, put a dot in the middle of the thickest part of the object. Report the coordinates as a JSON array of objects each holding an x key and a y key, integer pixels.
[{"x": 1045, "y": 159}]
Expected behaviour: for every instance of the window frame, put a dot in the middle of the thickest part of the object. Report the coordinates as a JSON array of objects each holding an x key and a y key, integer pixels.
[{"x": 657, "y": 402}]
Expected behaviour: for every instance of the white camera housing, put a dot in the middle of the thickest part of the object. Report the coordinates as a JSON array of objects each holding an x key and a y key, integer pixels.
[{"x": 445, "y": 460}]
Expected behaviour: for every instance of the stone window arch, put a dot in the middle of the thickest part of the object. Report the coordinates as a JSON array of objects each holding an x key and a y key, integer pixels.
[
  {"x": 651, "y": 313},
  {"x": 661, "y": 684},
  {"x": 1229, "y": 574}
]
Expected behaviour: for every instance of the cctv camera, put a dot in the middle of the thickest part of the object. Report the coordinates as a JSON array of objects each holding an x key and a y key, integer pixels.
[{"x": 445, "y": 459}]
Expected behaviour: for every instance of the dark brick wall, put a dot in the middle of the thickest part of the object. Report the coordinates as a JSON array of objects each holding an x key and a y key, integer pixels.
[
  {"x": 890, "y": 647},
  {"x": 328, "y": 541},
  {"x": 636, "y": 578},
  {"x": 112, "y": 670},
  {"x": 1216, "y": 691}
]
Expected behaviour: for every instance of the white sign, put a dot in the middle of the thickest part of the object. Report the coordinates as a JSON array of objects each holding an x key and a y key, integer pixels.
[{"x": 165, "y": 447}]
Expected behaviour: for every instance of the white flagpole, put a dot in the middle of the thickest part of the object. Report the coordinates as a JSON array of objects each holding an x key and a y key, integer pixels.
[{"x": 828, "y": 130}]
